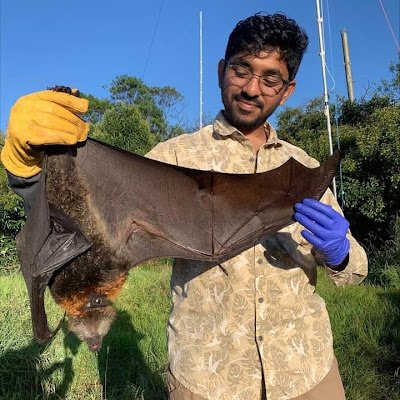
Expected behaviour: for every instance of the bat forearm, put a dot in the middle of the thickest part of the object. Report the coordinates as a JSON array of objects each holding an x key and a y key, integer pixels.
[{"x": 26, "y": 188}]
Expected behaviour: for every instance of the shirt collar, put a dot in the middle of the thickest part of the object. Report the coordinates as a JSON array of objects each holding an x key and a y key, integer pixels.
[{"x": 223, "y": 128}]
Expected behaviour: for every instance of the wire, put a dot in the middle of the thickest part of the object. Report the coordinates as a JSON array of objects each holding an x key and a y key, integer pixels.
[
  {"x": 330, "y": 47},
  {"x": 390, "y": 25},
  {"x": 153, "y": 38}
]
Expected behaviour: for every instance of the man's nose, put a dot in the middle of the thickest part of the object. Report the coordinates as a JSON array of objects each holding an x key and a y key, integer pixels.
[{"x": 252, "y": 87}]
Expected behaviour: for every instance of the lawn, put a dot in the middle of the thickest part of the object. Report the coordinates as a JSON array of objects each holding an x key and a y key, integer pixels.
[{"x": 133, "y": 360}]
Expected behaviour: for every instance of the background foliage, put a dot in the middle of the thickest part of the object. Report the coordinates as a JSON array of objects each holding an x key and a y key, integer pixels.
[
  {"x": 367, "y": 133},
  {"x": 153, "y": 107}
]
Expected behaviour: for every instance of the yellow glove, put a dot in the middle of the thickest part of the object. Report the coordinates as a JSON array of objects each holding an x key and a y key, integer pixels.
[{"x": 41, "y": 118}]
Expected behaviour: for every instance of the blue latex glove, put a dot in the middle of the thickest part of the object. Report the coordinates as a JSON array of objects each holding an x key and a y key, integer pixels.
[{"x": 326, "y": 230}]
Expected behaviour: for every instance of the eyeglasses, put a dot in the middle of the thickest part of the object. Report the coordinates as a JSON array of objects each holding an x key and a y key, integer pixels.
[{"x": 270, "y": 85}]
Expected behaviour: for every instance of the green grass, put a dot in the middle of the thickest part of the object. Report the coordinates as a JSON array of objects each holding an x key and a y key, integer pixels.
[
  {"x": 366, "y": 327},
  {"x": 131, "y": 364},
  {"x": 133, "y": 360}
]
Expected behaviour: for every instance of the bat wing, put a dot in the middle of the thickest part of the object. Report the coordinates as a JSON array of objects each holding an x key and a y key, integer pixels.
[
  {"x": 260, "y": 204},
  {"x": 146, "y": 209},
  {"x": 151, "y": 209},
  {"x": 48, "y": 240}
]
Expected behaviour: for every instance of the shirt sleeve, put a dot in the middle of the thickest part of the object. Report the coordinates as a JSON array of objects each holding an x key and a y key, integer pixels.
[
  {"x": 357, "y": 266},
  {"x": 165, "y": 152}
]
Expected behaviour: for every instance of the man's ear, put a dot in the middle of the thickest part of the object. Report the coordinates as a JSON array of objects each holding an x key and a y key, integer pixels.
[
  {"x": 221, "y": 72},
  {"x": 288, "y": 92}
]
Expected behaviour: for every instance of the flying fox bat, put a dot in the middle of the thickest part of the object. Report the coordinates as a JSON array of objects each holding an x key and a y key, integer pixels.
[{"x": 99, "y": 211}]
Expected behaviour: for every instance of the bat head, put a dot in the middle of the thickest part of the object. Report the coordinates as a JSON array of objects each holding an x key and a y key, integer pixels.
[{"x": 93, "y": 325}]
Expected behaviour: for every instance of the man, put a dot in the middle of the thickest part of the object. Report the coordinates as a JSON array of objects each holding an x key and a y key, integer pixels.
[{"x": 251, "y": 328}]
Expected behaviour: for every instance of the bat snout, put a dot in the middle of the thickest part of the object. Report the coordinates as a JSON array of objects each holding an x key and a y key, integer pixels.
[
  {"x": 94, "y": 343},
  {"x": 93, "y": 326}
]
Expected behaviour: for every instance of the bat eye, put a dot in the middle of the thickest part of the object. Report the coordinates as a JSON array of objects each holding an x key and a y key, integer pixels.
[{"x": 97, "y": 300}]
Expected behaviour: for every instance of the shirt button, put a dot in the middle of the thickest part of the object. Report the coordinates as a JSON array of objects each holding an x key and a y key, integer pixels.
[
  {"x": 260, "y": 338},
  {"x": 252, "y": 159},
  {"x": 260, "y": 260},
  {"x": 260, "y": 300}
]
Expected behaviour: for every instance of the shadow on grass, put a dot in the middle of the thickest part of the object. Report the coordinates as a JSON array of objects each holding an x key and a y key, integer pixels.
[
  {"x": 123, "y": 371},
  {"x": 22, "y": 377}
]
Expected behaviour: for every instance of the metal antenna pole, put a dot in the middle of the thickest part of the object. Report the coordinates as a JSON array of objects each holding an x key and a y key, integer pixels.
[
  {"x": 326, "y": 99},
  {"x": 201, "y": 70}
]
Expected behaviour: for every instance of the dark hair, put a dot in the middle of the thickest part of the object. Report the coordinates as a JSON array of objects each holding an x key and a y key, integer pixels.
[{"x": 269, "y": 32}]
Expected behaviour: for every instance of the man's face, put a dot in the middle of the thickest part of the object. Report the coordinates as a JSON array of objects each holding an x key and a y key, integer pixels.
[{"x": 246, "y": 105}]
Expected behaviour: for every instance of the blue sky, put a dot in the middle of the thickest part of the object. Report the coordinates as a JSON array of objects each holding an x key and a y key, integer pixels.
[{"x": 87, "y": 43}]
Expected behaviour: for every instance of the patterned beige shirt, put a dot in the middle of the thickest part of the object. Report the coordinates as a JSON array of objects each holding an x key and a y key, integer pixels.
[{"x": 259, "y": 310}]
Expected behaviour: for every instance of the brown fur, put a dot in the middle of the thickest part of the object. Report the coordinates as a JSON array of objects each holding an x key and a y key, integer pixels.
[
  {"x": 93, "y": 273},
  {"x": 75, "y": 304}
]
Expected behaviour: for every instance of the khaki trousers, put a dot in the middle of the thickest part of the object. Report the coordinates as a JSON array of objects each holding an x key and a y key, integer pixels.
[{"x": 330, "y": 388}]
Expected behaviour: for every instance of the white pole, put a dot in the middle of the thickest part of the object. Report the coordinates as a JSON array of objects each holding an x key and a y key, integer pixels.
[
  {"x": 201, "y": 70},
  {"x": 326, "y": 99}
]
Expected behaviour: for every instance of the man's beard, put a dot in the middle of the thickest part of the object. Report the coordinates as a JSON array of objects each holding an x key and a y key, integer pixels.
[{"x": 242, "y": 122}]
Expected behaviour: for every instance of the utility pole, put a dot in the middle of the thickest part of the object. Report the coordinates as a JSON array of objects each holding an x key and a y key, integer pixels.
[{"x": 347, "y": 65}]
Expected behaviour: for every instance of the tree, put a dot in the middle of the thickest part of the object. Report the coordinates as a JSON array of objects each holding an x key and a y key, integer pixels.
[
  {"x": 369, "y": 139},
  {"x": 305, "y": 127},
  {"x": 391, "y": 88},
  {"x": 159, "y": 106},
  {"x": 154, "y": 103},
  {"x": 97, "y": 108},
  {"x": 124, "y": 126},
  {"x": 371, "y": 170},
  {"x": 357, "y": 112}
]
